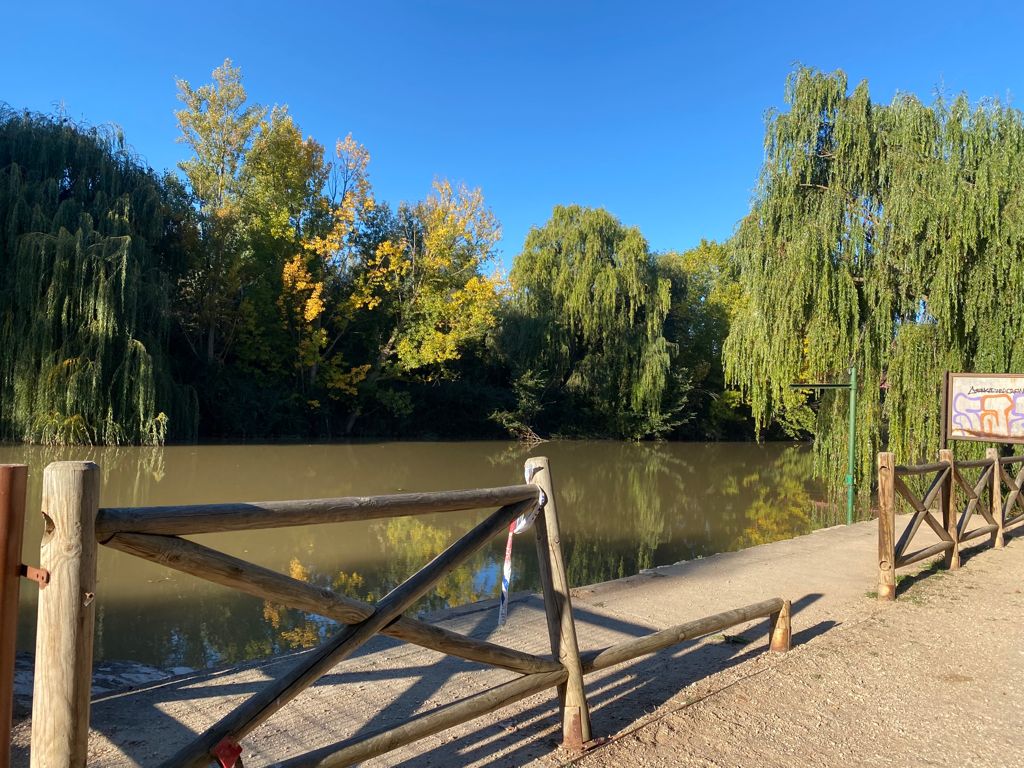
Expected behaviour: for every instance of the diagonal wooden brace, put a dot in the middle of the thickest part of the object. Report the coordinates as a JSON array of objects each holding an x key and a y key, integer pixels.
[
  {"x": 205, "y": 563},
  {"x": 339, "y": 647}
]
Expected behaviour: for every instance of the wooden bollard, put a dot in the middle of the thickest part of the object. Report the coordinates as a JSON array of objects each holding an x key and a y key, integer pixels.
[
  {"x": 780, "y": 629},
  {"x": 886, "y": 527},
  {"x": 947, "y": 500},
  {"x": 13, "y": 480},
  {"x": 996, "y": 497},
  {"x": 558, "y": 607},
  {"x": 64, "y": 636}
]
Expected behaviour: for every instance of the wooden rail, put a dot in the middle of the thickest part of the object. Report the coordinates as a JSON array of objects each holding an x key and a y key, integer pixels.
[
  {"x": 382, "y": 740},
  {"x": 246, "y": 516},
  {"x": 777, "y": 609},
  {"x": 982, "y": 497},
  {"x": 64, "y": 636}
]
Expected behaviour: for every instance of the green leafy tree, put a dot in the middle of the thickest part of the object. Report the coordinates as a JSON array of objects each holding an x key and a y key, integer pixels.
[
  {"x": 705, "y": 295},
  {"x": 419, "y": 294},
  {"x": 84, "y": 288},
  {"x": 883, "y": 236},
  {"x": 282, "y": 204},
  {"x": 219, "y": 127},
  {"x": 584, "y": 330}
]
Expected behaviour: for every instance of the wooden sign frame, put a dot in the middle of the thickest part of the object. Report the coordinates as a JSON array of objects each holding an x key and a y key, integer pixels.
[{"x": 991, "y": 410}]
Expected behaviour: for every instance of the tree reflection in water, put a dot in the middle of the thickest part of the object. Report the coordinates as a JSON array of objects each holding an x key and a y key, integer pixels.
[
  {"x": 407, "y": 544},
  {"x": 623, "y": 507}
]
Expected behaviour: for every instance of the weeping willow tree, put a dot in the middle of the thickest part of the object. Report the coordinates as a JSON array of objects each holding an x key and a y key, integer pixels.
[
  {"x": 83, "y": 293},
  {"x": 889, "y": 237},
  {"x": 583, "y": 331}
]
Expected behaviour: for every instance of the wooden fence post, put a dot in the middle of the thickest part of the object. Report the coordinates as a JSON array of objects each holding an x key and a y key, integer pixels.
[
  {"x": 886, "y": 527},
  {"x": 947, "y": 500},
  {"x": 780, "y": 629},
  {"x": 64, "y": 636},
  {"x": 996, "y": 497},
  {"x": 13, "y": 481},
  {"x": 558, "y": 607}
]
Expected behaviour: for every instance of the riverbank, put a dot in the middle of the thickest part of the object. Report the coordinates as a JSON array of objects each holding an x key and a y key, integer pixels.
[{"x": 827, "y": 574}]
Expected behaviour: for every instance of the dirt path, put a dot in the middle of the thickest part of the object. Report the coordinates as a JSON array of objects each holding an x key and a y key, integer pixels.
[{"x": 935, "y": 679}]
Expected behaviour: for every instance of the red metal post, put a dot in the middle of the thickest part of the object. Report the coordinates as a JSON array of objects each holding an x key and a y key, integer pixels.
[{"x": 13, "y": 479}]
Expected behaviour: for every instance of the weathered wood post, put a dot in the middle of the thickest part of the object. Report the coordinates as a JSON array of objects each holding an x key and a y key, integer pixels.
[
  {"x": 13, "y": 481},
  {"x": 558, "y": 607},
  {"x": 996, "y": 497},
  {"x": 64, "y": 636},
  {"x": 886, "y": 527},
  {"x": 780, "y": 629},
  {"x": 947, "y": 501}
]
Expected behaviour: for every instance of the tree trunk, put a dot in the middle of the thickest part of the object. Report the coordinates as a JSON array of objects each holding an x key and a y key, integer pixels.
[
  {"x": 382, "y": 358},
  {"x": 352, "y": 419},
  {"x": 210, "y": 338}
]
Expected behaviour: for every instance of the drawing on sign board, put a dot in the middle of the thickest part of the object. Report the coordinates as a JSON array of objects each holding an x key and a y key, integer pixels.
[{"x": 986, "y": 412}]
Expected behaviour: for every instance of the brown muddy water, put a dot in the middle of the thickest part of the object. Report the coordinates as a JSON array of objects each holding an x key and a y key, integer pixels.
[{"x": 623, "y": 507}]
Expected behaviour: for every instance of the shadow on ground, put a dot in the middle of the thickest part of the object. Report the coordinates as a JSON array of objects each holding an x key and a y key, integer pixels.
[{"x": 617, "y": 697}]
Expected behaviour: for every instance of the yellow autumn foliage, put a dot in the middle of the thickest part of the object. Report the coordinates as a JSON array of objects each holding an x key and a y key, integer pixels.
[
  {"x": 430, "y": 281},
  {"x": 345, "y": 382},
  {"x": 354, "y": 197},
  {"x": 303, "y": 632},
  {"x": 297, "y": 570},
  {"x": 410, "y": 544},
  {"x": 300, "y": 292},
  {"x": 382, "y": 276}
]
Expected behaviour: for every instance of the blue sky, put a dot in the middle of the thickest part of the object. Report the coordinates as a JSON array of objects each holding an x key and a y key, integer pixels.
[{"x": 654, "y": 111}]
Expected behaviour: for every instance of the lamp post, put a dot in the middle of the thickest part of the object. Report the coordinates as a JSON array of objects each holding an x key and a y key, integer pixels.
[{"x": 851, "y": 438}]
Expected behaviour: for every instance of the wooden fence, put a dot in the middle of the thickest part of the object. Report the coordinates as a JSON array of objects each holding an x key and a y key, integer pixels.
[
  {"x": 75, "y": 523},
  {"x": 13, "y": 479},
  {"x": 956, "y": 506}
]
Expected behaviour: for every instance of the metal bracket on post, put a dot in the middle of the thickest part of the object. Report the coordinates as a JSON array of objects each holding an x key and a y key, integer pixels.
[
  {"x": 228, "y": 753},
  {"x": 40, "y": 576}
]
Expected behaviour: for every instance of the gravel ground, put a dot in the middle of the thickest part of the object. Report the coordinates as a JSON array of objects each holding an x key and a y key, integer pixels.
[
  {"x": 934, "y": 679},
  {"x": 931, "y": 680}
]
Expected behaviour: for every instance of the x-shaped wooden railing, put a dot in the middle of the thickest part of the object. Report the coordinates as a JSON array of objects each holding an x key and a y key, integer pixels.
[
  {"x": 979, "y": 498},
  {"x": 922, "y": 512},
  {"x": 66, "y": 612},
  {"x": 983, "y": 497},
  {"x": 1013, "y": 506}
]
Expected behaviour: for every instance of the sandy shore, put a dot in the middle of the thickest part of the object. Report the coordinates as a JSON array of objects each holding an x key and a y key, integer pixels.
[{"x": 862, "y": 676}]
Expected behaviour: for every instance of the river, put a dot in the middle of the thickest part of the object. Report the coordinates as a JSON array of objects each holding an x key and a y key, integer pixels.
[{"x": 623, "y": 507}]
